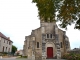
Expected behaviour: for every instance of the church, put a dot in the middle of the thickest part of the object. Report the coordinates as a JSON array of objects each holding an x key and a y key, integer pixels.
[{"x": 46, "y": 42}]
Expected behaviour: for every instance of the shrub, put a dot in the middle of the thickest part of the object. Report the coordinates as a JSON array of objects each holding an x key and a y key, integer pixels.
[
  {"x": 3, "y": 53},
  {"x": 71, "y": 56},
  {"x": 24, "y": 56}
]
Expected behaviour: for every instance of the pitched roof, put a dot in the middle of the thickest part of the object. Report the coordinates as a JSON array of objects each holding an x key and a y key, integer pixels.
[
  {"x": 3, "y": 36},
  {"x": 18, "y": 51}
]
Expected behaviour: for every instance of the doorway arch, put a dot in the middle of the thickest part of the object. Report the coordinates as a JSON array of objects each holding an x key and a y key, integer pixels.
[{"x": 50, "y": 50}]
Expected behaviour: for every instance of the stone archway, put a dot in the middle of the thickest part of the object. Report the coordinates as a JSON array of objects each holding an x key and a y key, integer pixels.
[{"x": 50, "y": 50}]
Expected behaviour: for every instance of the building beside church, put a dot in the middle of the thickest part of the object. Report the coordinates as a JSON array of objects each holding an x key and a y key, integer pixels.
[
  {"x": 46, "y": 42},
  {"x": 19, "y": 52},
  {"x": 5, "y": 44}
]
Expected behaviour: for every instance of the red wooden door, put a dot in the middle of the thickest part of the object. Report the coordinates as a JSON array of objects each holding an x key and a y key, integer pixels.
[{"x": 50, "y": 52}]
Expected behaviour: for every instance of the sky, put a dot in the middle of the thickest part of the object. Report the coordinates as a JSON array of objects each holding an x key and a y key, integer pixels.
[{"x": 19, "y": 17}]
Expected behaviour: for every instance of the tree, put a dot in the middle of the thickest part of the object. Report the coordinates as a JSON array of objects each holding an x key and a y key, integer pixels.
[
  {"x": 14, "y": 49},
  {"x": 68, "y": 11}
]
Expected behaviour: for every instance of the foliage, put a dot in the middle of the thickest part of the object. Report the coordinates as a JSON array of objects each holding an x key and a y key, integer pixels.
[
  {"x": 20, "y": 56},
  {"x": 46, "y": 9},
  {"x": 68, "y": 11},
  {"x": 14, "y": 49},
  {"x": 3, "y": 53},
  {"x": 71, "y": 56},
  {"x": 24, "y": 56}
]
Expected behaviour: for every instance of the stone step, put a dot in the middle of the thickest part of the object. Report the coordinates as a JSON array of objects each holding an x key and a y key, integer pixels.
[{"x": 55, "y": 59}]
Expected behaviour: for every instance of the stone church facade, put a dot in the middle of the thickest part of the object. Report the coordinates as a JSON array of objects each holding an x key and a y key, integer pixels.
[{"x": 46, "y": 42}]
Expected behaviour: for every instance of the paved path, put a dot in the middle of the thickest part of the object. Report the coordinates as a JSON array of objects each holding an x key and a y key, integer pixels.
[
  {"x": 55, "y": 59},
  {"x": 11, "y": 58},
  {"x": 14, "y": 58}
]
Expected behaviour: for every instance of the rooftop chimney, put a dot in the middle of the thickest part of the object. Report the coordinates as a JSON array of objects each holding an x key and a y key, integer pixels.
[{"x": 8, "y": 38}]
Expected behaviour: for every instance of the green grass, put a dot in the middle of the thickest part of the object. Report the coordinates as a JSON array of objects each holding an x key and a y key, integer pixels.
[{"x": 21, "y": 59}]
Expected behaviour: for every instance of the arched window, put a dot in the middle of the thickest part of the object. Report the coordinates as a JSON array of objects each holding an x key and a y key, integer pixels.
[
  {"x": 61, "y": 45},
  {"x": 47, "y": 35},
  {"x": 37, "y": 44},
  {"x": 50, "y": 35}
]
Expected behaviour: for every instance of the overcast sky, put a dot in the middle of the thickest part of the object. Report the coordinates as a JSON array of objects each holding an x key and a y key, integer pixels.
[{"x": 19, "y": 17}]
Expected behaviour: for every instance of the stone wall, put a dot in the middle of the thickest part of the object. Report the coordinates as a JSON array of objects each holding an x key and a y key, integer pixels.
[{"x": 40, "y": 35}]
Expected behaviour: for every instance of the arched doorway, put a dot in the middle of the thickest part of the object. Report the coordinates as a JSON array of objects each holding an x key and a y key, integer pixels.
[{"x": 49, "y": 52}]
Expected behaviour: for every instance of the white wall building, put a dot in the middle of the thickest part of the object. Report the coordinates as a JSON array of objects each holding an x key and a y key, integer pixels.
[{"x": 5, "y": 43}]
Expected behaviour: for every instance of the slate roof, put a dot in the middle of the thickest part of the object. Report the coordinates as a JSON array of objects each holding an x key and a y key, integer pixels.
[{"x": 3, "y": 36}]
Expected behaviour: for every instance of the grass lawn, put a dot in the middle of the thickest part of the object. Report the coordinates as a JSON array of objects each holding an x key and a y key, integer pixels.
[{"x": 21, "y": 59}]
